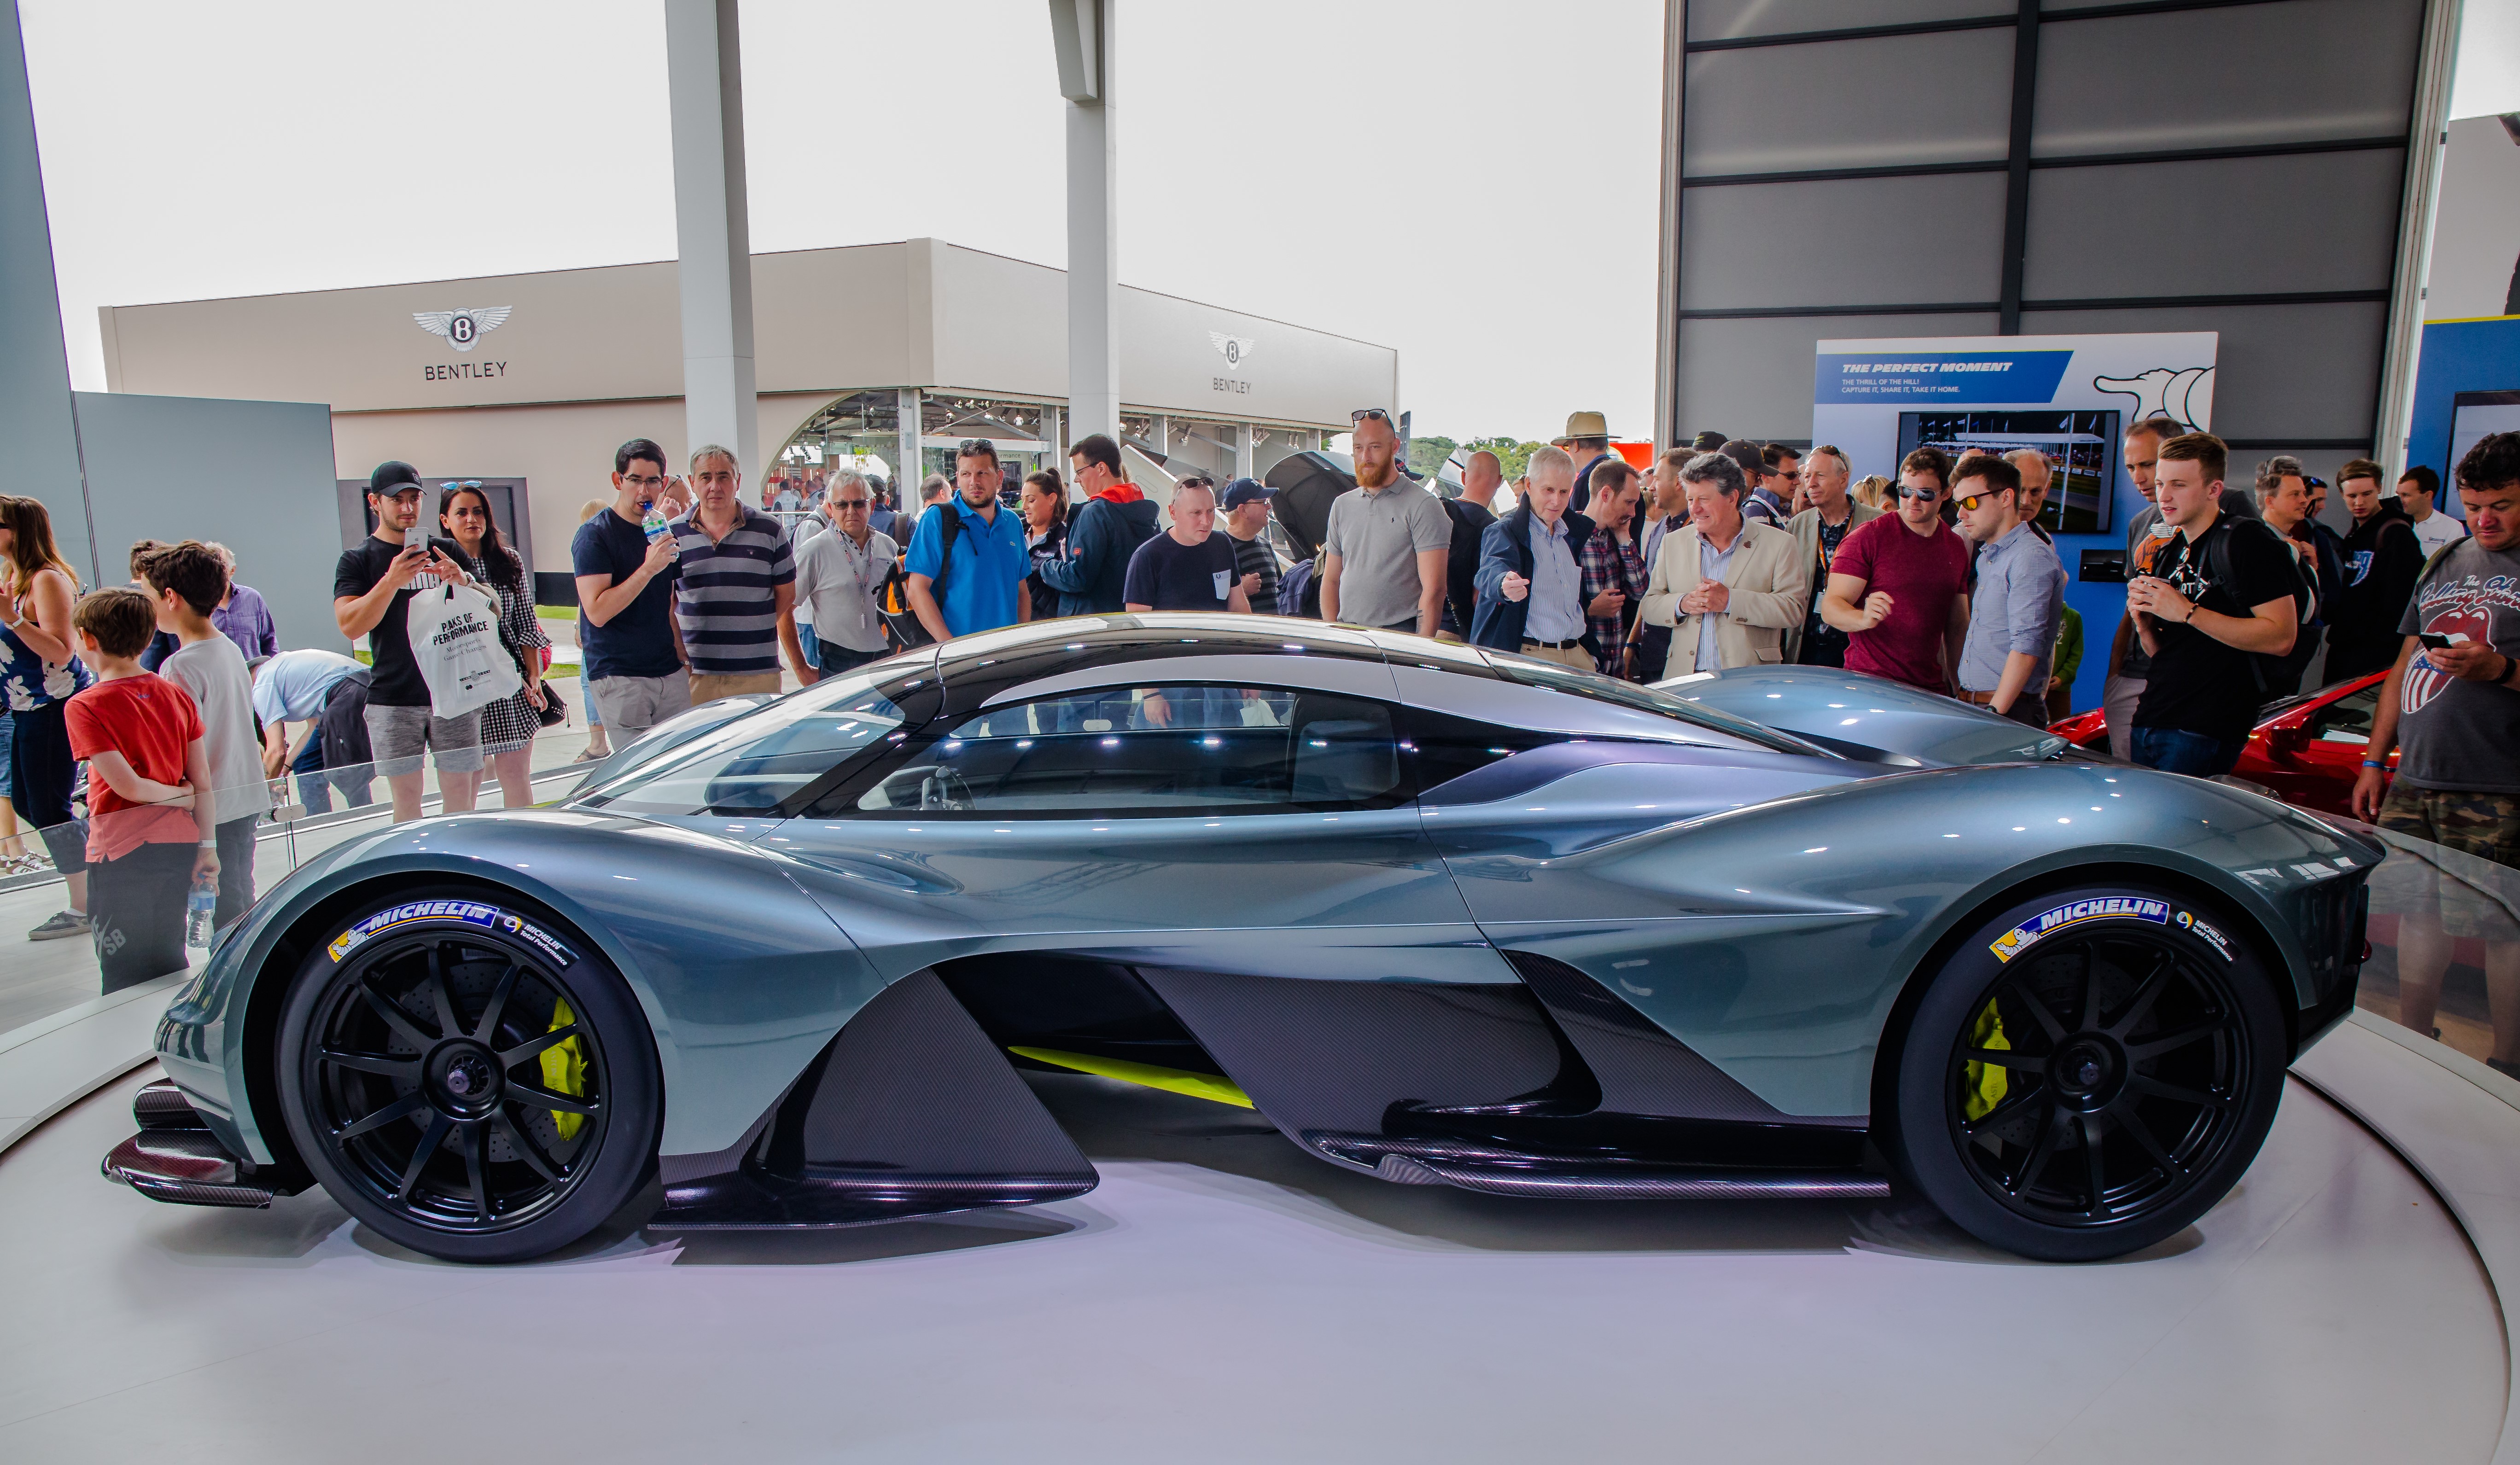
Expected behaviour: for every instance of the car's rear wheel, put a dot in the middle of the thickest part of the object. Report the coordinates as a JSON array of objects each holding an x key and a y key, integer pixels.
[
  {"x": 2088, "y": 1073},
  {"x": 465, "y": 1079}
]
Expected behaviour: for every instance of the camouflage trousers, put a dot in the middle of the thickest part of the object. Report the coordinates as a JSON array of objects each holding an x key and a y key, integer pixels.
[{"x": 2482, "y": 831}]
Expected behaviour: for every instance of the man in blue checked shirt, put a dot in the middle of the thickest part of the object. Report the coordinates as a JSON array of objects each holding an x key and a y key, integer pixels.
[
  {"x": 2019, "y": 598},
  {"x": 983, "y": 585}
]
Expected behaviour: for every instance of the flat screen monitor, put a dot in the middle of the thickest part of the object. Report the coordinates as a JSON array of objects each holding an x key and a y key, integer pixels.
[
  {"x": 2081, "y": 448},
  {"x": 2473, "y": 417}
]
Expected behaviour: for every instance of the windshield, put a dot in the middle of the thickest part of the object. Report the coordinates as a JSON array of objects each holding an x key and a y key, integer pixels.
[
  {"x": 1628, "y": 695},
  {"x": 755, "y": 763}
]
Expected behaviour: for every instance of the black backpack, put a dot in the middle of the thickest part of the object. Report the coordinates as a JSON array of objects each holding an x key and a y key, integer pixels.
[
  {"x": 2304, "y": 583},
  {"x": 892, "y": 600}
]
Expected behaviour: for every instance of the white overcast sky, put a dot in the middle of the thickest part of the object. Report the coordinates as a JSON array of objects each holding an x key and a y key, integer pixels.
[{"x": 1470, "y": 181}]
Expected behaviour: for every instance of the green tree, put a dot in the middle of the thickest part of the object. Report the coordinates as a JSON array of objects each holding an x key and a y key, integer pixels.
[
  {"x": 1512, "y": 456},
  {"x": 1427, "y": 454}
]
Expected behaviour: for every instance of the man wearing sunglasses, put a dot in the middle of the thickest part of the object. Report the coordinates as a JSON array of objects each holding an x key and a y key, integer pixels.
[
  {"x": 1384, "y": 557},
  {"x": 2019, "y": 600},
  {"x": 1898, "y": 586}
]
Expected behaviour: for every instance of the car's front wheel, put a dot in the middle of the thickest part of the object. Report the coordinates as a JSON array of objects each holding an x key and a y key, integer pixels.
[
  {"x": 466, "y": 1079},
  {"x": 2088, "y": 1073}
]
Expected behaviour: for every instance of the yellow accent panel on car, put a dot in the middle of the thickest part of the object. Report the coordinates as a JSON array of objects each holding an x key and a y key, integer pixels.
[
  {"x": 1169, "y": 1080},
  {"x": 565, "y": 1070},
  {"x": 1986, "y": 1082}
]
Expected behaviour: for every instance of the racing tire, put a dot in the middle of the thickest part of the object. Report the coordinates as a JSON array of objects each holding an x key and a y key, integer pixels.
[
  {"x": 468, "y": 1078},
  {"x": 2088, "y": 1071}
]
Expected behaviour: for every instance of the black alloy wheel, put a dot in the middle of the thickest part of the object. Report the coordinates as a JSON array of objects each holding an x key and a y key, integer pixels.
[
  {"x": 2103, "y": 1088},
  {"x": 471, "y": 1090}
]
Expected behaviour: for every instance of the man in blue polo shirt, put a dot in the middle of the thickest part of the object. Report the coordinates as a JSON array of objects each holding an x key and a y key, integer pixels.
[{"x": 984, "y": 588}]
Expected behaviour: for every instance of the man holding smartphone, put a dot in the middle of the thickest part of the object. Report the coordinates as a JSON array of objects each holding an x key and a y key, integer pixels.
[
  {"x": 371, "y": 590},
  {"x": 2220, "y": 592},
  {"x": 2451, "y": 707}
]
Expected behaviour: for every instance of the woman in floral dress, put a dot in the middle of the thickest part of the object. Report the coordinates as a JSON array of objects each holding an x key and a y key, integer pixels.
[{"x": 39, "y": 671}]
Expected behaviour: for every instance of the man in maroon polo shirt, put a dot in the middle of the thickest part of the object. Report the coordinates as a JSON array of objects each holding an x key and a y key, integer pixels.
[{"x": 1899, "y": 584}]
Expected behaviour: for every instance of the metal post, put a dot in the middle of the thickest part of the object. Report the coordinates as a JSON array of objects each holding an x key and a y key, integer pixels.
[
  {"x": 909, "y": 471},
  {"x": 1244, "y": 453},
  {"x": 40, "y": 452},
  {"x": 1056, "y": 452},
  {"x": 1081, "y": 35},
  {"x": 1161, "y": 432},
  {"x": 1675, "y": 57},
  {"x": 704, "y": 84},
  {"x": 2405, "y": 340}
]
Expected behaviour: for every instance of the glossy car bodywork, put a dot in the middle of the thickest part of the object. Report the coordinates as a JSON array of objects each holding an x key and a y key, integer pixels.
[
  {"x": 1587, "y": 943},
  {"x": 2307, "y": 750}
]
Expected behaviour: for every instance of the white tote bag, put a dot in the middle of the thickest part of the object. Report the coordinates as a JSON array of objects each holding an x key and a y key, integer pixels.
[{"x": 455, "y": 639}]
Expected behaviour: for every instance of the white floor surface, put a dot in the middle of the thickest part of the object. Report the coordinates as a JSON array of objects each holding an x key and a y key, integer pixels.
[{"x": 1222, "y": 1298}]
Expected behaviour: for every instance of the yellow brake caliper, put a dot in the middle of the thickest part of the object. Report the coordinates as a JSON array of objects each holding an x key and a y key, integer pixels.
[
  {"x": 1985, "y": 1083},
  {"x": 564, "y": 1069}
]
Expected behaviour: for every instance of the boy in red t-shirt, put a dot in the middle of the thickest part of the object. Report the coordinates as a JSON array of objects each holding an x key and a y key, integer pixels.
[{"x": 152, "y": 830}]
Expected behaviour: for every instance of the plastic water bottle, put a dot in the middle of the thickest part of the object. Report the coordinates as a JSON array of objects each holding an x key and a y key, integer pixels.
[
  {"x": 199, "y": 908},
  {"x": 655, "y": 522}
]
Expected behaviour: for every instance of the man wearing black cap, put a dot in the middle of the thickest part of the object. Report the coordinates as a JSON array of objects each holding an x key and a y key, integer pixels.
[
  {"x": 1246, "y": 523},
  {"x": 371, "y": 590}
]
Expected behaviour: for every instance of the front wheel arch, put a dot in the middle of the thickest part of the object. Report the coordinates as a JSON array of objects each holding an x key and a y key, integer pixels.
[
  {"x": 550, "y": 954},
  {"x": 279, "y": 966},
  {"x": 1911, "y": 987}
]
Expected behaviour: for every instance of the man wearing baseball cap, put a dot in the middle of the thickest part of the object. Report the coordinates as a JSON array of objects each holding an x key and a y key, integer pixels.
[
  {"x": 372, "y": 589},
  {"x": 1587, "y": 440},
  {"x": 1246, "y": 523}
]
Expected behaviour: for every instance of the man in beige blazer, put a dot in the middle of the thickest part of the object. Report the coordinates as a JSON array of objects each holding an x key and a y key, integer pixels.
[{"x": 1729, "y": 588}]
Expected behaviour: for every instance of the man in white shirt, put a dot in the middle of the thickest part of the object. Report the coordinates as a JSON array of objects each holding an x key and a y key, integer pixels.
[
  {"x": 840, "y": 572},
  {"x": 2417, "y": 488}
]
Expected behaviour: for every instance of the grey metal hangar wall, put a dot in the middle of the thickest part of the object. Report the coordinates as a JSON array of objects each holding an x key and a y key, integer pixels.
[{"x": 1858, "y": 168}]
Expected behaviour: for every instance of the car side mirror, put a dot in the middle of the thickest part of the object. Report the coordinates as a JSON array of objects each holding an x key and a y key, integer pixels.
[{"x": 2287, "y": 742}]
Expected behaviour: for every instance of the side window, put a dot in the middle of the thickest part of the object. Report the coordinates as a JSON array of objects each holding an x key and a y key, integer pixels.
[
  {"x": 1148, "y": 752},
  {"x": 755, "y": 763},
  {"x": 2348, "y": 718}
]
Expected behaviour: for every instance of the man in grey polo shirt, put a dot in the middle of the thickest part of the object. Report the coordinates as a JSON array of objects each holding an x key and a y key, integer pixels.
[
  {"x": 2020, "y": 595},
  {"x": 1389, "y": 544}
]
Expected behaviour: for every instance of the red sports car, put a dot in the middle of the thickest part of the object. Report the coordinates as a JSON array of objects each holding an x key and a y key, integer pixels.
[{"x": 2306, "y": 748}]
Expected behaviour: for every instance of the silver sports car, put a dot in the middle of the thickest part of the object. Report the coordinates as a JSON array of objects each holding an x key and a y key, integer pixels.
[{"x": 1443, "y": 915}]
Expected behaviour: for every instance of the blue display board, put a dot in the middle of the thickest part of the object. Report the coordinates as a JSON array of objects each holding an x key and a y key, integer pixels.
[{"x": 2069, "y": 396}]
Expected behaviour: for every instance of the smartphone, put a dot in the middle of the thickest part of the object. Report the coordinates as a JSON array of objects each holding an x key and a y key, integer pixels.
[
  {"x": 416, "y": 537},
  {"x": 2434, "y": 640}
]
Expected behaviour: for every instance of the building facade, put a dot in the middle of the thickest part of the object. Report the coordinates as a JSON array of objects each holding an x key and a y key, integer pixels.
[{"x": 537, "y": 377}]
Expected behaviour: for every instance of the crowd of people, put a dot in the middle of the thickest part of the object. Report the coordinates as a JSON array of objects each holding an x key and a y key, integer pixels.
[{"x": 169, "y": 710}]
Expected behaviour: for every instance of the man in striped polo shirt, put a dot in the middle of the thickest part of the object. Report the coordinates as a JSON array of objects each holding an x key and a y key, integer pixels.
[{"x": 736, "y": 600}]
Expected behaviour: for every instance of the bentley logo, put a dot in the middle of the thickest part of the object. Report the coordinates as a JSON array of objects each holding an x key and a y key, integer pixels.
[
  {"x": 462, "y": 328},
  {"x": 1235, "y": 349}
]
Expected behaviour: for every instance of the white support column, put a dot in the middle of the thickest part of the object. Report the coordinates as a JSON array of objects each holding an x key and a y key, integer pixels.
[
  {"x": 906, "y": 400},
  {"x": 1242, "y": 451},
  {"x": 1081, "y": 33},
  {"x": 1057, "y": 451},
  {"x": 704, "y": 85},
  {"x": 1160, "y": 433}
]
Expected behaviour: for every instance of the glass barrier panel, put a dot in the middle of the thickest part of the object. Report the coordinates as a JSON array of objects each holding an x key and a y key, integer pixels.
[{"x": 2445, "y": 958}]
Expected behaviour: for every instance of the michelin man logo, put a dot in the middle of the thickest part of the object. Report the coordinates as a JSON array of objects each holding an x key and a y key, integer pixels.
[
  {"x": 1235, "y": 349},
  {"x": 2185, "y": 395},
  {"x": 462, "y": 328}
]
